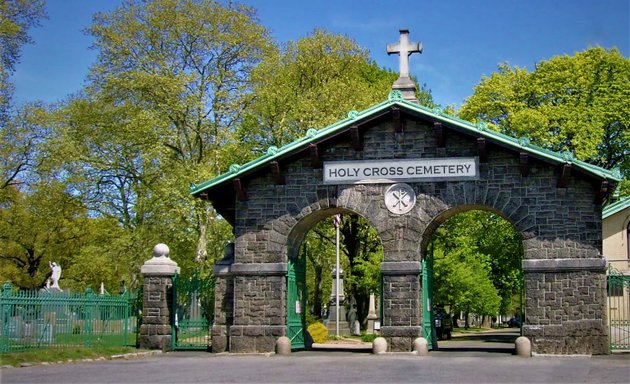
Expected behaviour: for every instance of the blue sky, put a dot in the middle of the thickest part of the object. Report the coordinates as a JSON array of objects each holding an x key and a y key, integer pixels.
[{"x": 463, "y": 40}]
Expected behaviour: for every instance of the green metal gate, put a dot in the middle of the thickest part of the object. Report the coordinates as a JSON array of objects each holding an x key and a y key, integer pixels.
[
  {"x": 619, "y": 310},
  {"x": 192, "y": 301},
  {"x": 296, "y": 302},
  {"x": 428, "y": 331}
]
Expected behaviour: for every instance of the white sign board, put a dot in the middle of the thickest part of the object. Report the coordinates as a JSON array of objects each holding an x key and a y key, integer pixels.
[{"x": 392, "y": 171}]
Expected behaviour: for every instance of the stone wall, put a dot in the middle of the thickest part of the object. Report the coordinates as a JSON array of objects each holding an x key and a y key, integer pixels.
[{"x": 556, "y": 224}]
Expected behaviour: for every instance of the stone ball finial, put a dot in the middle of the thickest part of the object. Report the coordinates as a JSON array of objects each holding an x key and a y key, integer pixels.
[{"x": 161, "y": 250}]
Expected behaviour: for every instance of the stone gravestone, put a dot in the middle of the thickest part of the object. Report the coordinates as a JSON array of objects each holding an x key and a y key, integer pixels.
[
  {"x": 372, "y": 317},
  {"x": 344, "y": 326}
]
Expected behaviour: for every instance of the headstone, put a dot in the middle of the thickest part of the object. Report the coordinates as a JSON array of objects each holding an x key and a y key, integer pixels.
[
  {"x": 372, "y": 317},
  {"x": 331, "y": 324}
]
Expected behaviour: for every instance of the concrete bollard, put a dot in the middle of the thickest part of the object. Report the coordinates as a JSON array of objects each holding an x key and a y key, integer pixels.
[
  {"x": 523, "y": 347},
  {"x": 379, "y": 346},
  {"x": 421, "y": 346},
  {"x": 283, "y": 346}
]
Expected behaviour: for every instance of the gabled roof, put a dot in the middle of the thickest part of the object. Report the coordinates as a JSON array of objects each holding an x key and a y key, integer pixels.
[
  {"x": 616, "y": 207},
  {"x": 395, "y": 100}
]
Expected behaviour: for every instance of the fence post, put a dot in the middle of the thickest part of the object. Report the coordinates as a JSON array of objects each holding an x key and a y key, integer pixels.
[
  {"x": 6, "y": 316},
  {"x": 89, "y": 316},
  {"x": 157, "y": 320}
]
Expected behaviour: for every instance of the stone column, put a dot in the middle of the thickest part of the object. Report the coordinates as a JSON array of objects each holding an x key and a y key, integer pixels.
[
  {"x": 401, "y": 323},
  {"x": 157, "y": 299},
  {"x": 223, "y": 301},
  {"x": 565, "y": 306}
]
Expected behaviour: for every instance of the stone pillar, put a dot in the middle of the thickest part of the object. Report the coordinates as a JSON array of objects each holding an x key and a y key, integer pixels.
[
  {"x": 157, "y": 320},
  {"x": 401, "y": 323},
  {"x": 223, "y": 301},
  {"x": 565, "y": 306},
  {"x": 259, "y": 307}
]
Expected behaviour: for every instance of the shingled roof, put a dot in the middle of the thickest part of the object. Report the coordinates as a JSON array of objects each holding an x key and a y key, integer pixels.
[{"x": 214, "y": 189}]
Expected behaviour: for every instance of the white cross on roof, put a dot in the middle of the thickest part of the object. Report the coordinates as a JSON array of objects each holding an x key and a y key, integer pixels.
[{"x": 404, "y": 48}]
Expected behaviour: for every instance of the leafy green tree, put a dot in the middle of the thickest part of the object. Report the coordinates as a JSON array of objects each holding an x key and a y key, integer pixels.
[
  {"x": 16, "y": 17},
  {"x": 36, "y": 228},
  {"x": 185, "y": 65},
  {"x": 22, "y": 147},
  {"x": 577, "y": 103},
  {"x": 311, "y": 83},
  {"x": 477, "y": 263}
]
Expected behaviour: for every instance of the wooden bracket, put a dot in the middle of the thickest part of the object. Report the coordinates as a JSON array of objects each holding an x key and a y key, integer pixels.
[
  {"x": 239, "y": 190},
  {"x": 396, "y": 119},
  {"x": 355, "y": 138},
  {"x": 440, "y": 140},
  {"x": 203, "y": 196},
  {"x": 604, "y": 191},
  {"x": 524, "y": 159},
  {"x": 482, "y": 150},
  {"x": 316, "y": 160},
  {"x": 563, "y": 181},
  {"x": 275, "y": 173}
]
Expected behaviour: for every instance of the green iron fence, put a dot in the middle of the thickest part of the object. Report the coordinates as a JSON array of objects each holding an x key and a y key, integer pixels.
[
  {"x": 31, "y": 319},
  {"x": 619, "y": 310}
]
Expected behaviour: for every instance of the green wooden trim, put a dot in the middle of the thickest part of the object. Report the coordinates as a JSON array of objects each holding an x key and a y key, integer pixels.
[
  {"x": 616, "y": 207},
  {"x": 436, "y": 114}
]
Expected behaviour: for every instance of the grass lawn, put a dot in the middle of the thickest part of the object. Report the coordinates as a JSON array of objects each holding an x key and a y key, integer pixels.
[{"x": 61, "y": 354}]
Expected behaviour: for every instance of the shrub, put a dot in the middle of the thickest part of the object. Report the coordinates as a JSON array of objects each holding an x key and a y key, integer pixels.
[
  {"x": 367, "y": 338},
  {"x": 318, "y": 332}
]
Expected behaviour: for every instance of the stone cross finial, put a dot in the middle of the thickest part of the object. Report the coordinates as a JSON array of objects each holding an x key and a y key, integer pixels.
[{"x": 404, "y": 48}]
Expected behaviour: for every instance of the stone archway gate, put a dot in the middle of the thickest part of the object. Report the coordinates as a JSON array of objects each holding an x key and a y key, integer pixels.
[{"x": 444, "y": 163}]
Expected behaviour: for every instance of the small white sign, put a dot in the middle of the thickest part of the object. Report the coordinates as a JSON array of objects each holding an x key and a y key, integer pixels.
[{"x": 391, "y": 171}]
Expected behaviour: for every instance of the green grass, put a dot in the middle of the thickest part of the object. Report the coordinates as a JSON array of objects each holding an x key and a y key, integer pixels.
[
  {"x": 52, "y": 355},
  {"x": 463, "y": 330}
]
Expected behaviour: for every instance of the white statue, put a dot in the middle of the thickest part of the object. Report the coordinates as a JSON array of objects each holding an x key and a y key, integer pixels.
[{"x": 56, "y": 275}]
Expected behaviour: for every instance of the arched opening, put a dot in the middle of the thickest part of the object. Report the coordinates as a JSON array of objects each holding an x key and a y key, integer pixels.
[
  {"x": 472, "y": 281},
  {"x": 312, "y": 312}
]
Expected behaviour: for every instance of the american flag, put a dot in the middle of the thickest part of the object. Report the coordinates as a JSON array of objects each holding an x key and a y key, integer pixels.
[{"x": 337, "y": 220}]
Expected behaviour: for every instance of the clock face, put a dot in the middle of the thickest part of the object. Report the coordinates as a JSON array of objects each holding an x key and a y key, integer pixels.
[{"x": 400, "y": 198}]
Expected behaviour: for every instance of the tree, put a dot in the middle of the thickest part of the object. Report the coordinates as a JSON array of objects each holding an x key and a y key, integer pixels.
[
  {"x": 577, "y": 103},
  {"x": 16, "y": 17},
  {"x": 36, "y": 228},
  {"x": 22, "y": 142},
  {"x": 311, "y": 83},
  {"x": 185, "y": 65},
  {"x": 477, "y": 263}
]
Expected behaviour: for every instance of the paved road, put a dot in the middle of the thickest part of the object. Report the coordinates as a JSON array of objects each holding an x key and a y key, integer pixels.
[
  {"x": 330, "y": 367},
  {"x": 483, "y": 358}
]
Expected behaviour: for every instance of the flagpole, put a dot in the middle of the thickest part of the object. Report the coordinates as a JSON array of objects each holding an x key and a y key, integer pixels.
[{"x": 337, "y": 278}]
